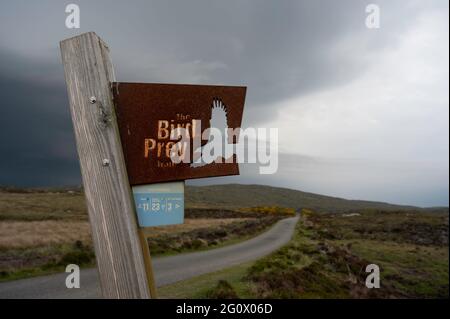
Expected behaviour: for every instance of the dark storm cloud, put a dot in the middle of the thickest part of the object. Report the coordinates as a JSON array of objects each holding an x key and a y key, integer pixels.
[{"x": 36, "y": 140}]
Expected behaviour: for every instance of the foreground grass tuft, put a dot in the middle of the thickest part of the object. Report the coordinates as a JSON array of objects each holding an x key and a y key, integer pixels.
[{"x": 223, "y": 290}]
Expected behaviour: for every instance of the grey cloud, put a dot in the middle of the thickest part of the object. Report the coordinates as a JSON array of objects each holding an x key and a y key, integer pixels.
[
  {"x": 352, "y": 179},
  {"x": 279, "y": 49}
]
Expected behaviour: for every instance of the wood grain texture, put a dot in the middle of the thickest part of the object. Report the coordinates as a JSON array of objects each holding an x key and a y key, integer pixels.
[
  {"x": 89, "y": 72},
  {"x": 148, "y": 263}
]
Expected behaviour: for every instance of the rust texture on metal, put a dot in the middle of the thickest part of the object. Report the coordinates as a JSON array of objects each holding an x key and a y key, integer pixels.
[{"x": 145, "y": 112}]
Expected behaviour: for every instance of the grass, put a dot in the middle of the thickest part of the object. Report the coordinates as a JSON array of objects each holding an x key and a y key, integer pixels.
[
  {"x": 209, "y": 237},
  {"x": 60, "y": 203},
  {"x": 411, "y": 270},
  {"x": 22, "y": 234},
  {"x": 24, "y": 263},
  {"x": 237, "y": 195},
  {"x": 327, "y": 258},
  {"x": 202, "y": 246},
  {"x": 410, "y": 248},
  {"x": 189, "y": 225},
  {"x": 67, "y": 205},
  {"x": 201, "y": 286},
  {"x": 41, "y": 231}
]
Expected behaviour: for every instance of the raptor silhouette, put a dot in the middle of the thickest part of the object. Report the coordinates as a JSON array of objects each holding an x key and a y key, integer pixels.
[{"x": 219, "y": 121}]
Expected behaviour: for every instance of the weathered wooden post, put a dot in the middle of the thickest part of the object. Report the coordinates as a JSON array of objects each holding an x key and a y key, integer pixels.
[{"x": 120, "y": 259}]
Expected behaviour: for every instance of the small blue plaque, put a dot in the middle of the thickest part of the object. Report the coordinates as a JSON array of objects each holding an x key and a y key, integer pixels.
[{"x": 159, "y": 204}]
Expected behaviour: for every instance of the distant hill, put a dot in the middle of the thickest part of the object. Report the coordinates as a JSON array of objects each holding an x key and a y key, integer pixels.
[{"x": 238, "y": 195}]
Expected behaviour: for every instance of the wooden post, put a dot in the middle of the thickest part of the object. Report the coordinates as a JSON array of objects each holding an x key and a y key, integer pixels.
[
  {"x": 148, "y": 263},
  {"x": 120, "y": 260}
]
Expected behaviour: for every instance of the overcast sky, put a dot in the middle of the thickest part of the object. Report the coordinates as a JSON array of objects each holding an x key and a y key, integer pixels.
[{"x": 362, "y": 113}]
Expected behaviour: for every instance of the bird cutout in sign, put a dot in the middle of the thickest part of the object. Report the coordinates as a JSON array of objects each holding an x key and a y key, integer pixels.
[{"x": 218, "y": 129}]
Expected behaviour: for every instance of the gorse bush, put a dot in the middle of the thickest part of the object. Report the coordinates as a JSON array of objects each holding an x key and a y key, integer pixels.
[{"x": 275, "y": 210}]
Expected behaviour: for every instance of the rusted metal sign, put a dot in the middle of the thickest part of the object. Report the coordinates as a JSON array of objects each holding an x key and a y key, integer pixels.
[{"x": 147, "y": 114}]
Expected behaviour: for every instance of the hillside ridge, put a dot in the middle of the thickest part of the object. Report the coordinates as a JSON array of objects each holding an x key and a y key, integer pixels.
[{"x": 250, "y": 195}]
